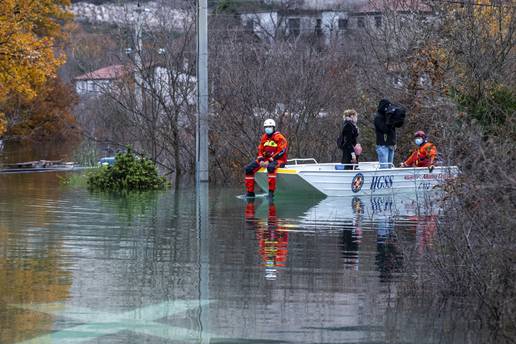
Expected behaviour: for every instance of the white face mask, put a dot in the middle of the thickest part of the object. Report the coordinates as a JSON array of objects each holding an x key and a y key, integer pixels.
[
  {"x": 419, "y": 141},
  {"x": 269, "y": 130}
]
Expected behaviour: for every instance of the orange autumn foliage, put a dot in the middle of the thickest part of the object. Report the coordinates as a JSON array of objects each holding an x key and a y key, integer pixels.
[
  {"x": 46, "y": 116},
  {"x": 30, "y": 47}
]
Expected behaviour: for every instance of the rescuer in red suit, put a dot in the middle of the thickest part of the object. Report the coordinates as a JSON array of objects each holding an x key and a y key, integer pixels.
[{"x": 272, "y": 153}]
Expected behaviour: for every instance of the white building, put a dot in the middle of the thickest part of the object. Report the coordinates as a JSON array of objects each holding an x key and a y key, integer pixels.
[
  {"x": 162, "y": 81},
  {"x": 99, "y": 81},
  {"x": 330, "y": 21},
  {"x": 320, "y": 4}
]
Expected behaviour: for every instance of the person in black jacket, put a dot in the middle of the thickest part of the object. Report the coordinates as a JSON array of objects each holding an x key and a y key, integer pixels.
[
  {"x": 348, "y": 139},
  {"x": 385, "y": 135}
]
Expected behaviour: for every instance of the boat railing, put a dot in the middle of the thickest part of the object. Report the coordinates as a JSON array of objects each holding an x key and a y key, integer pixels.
[
  {"x": 301, "y": 161},
  {"x": 363, "y": 165},
  {"x": 340, "y": 167},
  {"x": 366, "y": 165}
]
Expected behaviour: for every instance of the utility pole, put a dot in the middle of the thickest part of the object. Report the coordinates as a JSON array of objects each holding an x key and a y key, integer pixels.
[
  {"x": 202, "y": 92},
  {"x": 138, "y": 32}
]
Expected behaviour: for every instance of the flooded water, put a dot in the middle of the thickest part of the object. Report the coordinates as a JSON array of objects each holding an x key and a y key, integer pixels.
[{"x": 198, "y": 266}]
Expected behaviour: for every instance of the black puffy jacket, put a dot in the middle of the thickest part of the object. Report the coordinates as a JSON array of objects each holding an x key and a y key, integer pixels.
[{"x": 385, "y": 135}]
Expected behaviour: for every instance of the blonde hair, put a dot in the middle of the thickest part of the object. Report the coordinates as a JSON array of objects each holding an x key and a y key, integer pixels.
[{"x": 350, "y": 113}]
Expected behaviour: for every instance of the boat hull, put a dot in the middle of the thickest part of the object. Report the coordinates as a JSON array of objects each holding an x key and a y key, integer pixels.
[{"x": 330, "y": 180}]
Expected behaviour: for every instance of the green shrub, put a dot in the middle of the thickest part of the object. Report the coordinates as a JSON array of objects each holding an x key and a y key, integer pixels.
[{"x": 127, "y": 173}]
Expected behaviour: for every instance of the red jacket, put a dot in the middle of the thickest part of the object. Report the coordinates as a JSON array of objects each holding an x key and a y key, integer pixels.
[
  {"x": 423, "y": 156},
  {"x": 273, "y": 147}
]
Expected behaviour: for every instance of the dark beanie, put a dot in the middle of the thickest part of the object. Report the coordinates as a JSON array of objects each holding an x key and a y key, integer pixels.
[{"x": 383, "y": 105}]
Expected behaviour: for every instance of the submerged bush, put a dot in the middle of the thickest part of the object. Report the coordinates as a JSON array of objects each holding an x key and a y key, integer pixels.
[{"x": 129, "y": 172}]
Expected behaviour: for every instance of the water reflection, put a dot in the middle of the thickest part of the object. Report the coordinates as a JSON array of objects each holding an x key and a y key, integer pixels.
[
  {"x": 32, "y": 268},
  {"x": 359, "y": 221},
  {"x": 96, "y": 254},
  {"x": 365, "y": 209},
  {"x": 202, "y": 227},
  {"x": 272, "y": 239},
  {"x": 204, "y": 265},
  {"x": 345, "y": 251},
  {"x": 389, "y": 259},
  {"x": 350, "y": 246},
  {"x": 129, "y": 205},
  {"x": 425, "y": 231}
]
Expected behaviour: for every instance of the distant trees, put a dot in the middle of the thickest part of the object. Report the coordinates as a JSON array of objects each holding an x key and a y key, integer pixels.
[
  {"x": 469, "y": 104},
  {"x": 479, "y": 40},
  {"x": 152, "y": 106},
  {"x": 415, "y": 53},
  {"x": 304, "y": 89}
]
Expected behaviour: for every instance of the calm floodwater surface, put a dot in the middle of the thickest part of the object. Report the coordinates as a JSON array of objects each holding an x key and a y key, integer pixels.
[{"x": 197, "y": 266}]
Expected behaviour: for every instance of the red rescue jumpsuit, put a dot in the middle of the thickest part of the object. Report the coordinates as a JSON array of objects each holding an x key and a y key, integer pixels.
[
  {"x": 423, "y": 156},
  {"x": 273, "y": 149}
]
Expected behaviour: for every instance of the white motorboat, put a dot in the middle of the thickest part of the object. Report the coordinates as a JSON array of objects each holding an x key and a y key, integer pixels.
[{"x": 306, "y": 176}]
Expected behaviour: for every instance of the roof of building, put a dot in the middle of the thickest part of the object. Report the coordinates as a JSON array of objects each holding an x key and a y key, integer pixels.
[
  {"x": 106, "y": 73},
  {"x": 378, "y": 6}
]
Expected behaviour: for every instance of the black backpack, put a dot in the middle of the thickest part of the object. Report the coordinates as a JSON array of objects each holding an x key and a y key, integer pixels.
[{"x": 395, "y": 115}]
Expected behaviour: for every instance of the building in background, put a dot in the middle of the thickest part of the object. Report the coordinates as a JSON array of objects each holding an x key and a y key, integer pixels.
[
  {"x": 329, "y": 19},
  {"x": 100, "y": 81}
]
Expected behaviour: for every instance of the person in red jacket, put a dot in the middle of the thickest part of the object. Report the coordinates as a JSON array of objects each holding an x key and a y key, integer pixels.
[
  {"x": 424, "y": 155},
  {"x": 272, "y": 153}
]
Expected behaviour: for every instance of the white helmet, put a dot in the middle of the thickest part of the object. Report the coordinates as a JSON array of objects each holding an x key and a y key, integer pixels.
[{"x": 269, "y": 123}]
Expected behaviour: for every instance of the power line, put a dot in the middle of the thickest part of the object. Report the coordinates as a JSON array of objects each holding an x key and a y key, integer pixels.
[{"x": 278, "y": 6}]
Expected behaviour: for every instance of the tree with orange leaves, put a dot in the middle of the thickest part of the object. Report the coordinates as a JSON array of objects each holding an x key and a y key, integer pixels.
[
  {"x": 30, "y": 47},
  {"x": 47, "y": 116}
]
